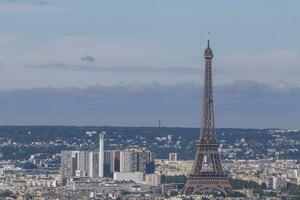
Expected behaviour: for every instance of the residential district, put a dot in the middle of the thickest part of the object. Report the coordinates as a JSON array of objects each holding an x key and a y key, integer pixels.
[{"x": 135, "y": 172}]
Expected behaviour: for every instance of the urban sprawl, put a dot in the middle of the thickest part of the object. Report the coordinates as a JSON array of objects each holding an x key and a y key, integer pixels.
[{"x": 135, "y": 173}]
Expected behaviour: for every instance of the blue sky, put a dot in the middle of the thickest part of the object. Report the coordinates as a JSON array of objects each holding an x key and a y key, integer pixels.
[
  {"x": 68, "y": 61},
  {"x": 44, "y": 43}
]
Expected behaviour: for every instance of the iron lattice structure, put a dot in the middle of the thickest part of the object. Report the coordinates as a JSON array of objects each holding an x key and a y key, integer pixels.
[{"x": 214, "y": 177}]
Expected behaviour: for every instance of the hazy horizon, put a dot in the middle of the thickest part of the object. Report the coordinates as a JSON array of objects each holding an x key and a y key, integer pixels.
[{"x": 241, "y": 104}]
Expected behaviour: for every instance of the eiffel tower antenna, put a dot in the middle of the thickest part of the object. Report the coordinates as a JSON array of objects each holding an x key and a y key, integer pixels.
[
  {"x": 207, "y": 172},
  {"x": 208, "y": 38}
]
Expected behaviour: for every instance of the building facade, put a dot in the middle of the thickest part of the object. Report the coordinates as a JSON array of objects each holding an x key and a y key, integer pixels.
[{"x": 86, "y": 163}]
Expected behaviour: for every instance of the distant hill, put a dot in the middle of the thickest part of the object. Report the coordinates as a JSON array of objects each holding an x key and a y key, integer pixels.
[{"x": 241, "y": 143}]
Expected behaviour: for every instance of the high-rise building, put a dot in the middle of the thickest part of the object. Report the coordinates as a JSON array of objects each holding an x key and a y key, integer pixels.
[
  {"x": 90, "y": 160},
  {"x": 109, "y": 163},
  {"x": 68, "y": 164},
  {"x": 133, "y": 160},
  {"x": 92, "y": 164},
  {"x": 126, "y": 161},
  {"x": 150, "y": 162},
  {"x": 117, "y": 161},
  {"x": 104, "y": 163},
  {"x": 82, "y": 163},
  {"x": 101, "y": 154},
  {"x": 95, "y": 164},
  {"x": 79, "y": 164}
]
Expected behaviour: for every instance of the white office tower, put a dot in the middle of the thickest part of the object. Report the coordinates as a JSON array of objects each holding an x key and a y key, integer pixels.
[
  {"x": 101, "y": 154},
  {"x": 82, "y": 164},
  {"x": 90, "y": 165},
  {"x": 125, "y": 161}
]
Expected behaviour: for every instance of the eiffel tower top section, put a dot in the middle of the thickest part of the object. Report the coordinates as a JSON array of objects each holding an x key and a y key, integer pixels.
[
  {"x": 208, "y": 53},
  {"x": 208, "y": 133}
]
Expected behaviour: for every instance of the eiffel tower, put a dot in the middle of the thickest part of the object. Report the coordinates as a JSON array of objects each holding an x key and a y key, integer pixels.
[{"x": 207, "y": 173}]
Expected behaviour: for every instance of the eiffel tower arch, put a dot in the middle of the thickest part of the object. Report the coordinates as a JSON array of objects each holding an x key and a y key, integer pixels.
[{"x": 207, "y": 172}]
